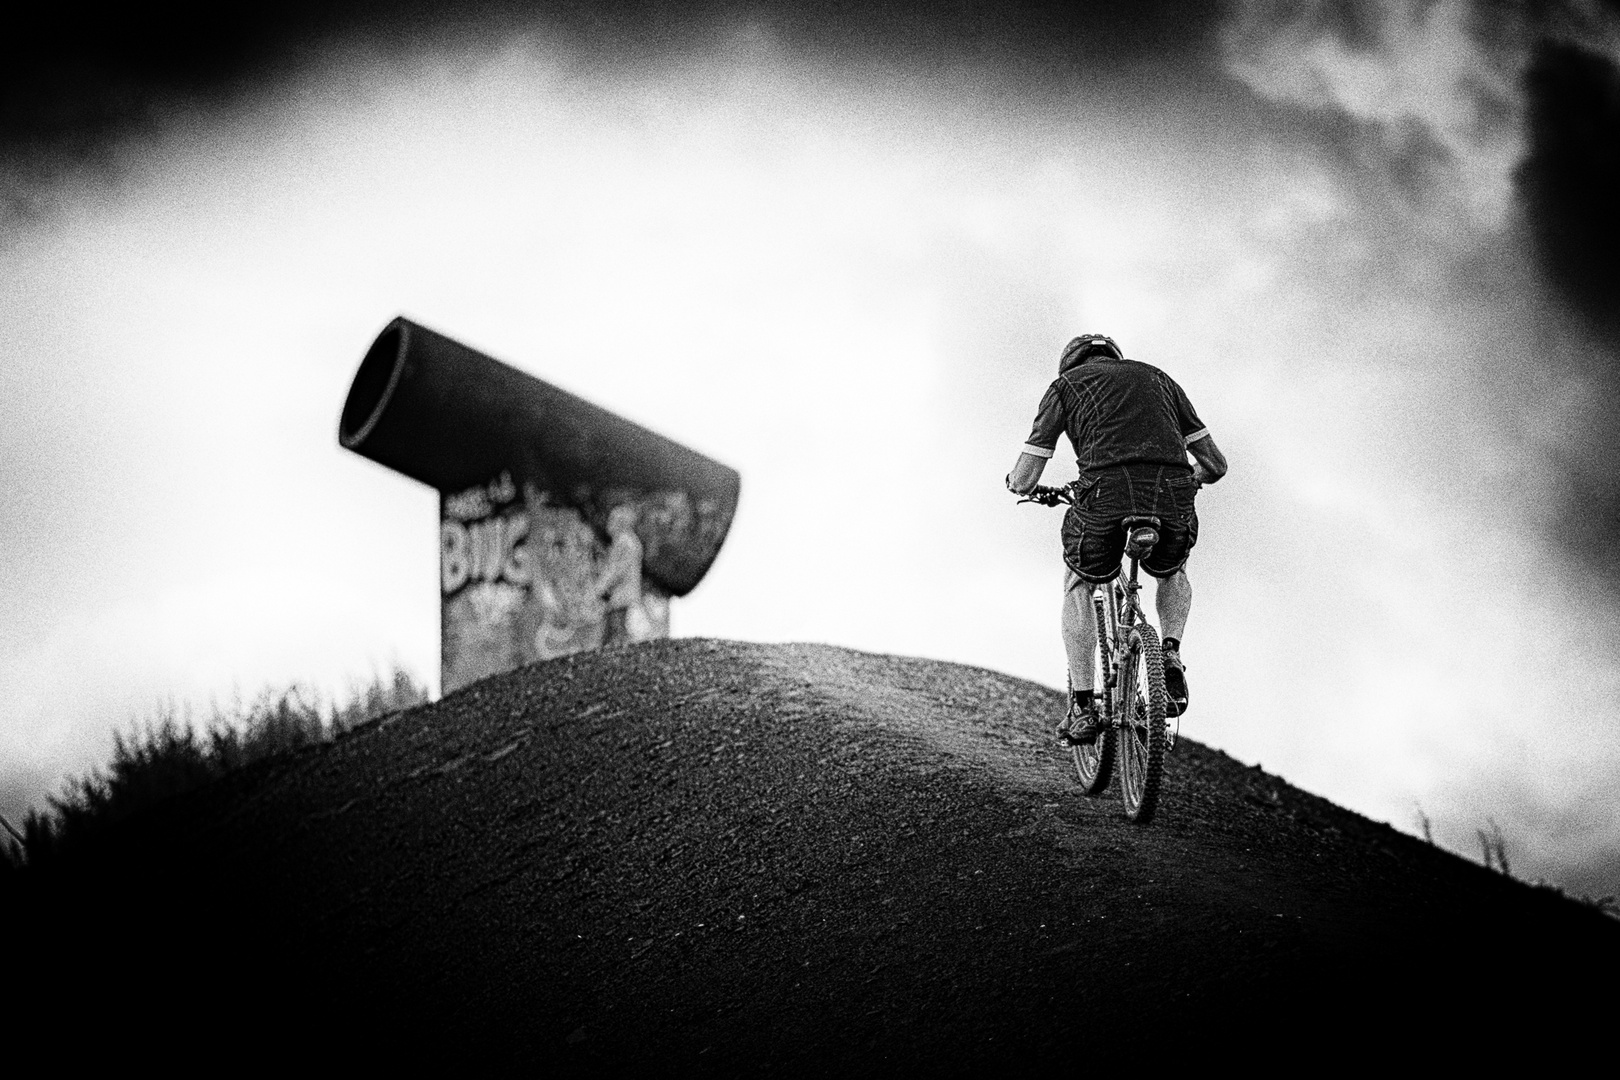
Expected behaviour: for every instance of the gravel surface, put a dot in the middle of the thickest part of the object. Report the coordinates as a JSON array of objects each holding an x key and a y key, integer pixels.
[{"x": 706, "y": 855}]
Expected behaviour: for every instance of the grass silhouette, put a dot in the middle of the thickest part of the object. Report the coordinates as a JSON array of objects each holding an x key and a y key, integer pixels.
[{"x": 168, "y": 755}]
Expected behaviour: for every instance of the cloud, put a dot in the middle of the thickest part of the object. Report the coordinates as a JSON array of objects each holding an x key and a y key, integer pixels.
[
  {"x": 1430, "y": 89},
  {"x": 1487, "y": 138},
  {"x": 1571, "y": 177},
  {"x": 1471, "y": 152},
  {"x": 70, "y": 85}
]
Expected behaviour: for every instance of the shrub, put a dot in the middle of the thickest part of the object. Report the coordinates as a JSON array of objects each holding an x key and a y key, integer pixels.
[
  {"x": 1493, "y": 848},
  {"x": 167, "y": 756}
]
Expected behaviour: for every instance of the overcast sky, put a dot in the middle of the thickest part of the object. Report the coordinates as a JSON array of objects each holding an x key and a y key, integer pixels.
[{"x": 848, "y": 273}]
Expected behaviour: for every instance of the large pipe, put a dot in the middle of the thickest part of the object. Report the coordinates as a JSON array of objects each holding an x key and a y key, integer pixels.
[{"x": 454, "y": 418}]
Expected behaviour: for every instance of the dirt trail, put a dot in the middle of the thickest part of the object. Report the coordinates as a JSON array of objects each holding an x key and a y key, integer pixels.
[{"x": 800, "y": 859}]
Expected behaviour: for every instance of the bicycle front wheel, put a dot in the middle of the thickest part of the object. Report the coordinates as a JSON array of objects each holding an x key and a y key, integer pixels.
[{"x": 1140, "y": 706}]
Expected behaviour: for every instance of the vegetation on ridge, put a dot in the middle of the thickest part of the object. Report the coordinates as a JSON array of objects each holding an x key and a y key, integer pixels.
[{"x": 168, "y": 755}]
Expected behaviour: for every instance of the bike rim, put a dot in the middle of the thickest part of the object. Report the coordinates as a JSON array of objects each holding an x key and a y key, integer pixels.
[
  {"x": 1142, "y": 732},
  {"x": 1094, "y": 764},
  {"x": 1130, "y": 782},
  {"x": 1133, "y": 752}
]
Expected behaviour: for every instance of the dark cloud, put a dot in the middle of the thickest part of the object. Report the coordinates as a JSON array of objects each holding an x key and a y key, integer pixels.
[
  {"x": 1570, "y": 180},
  {"x": 70, "y": 83},
  {"x": 1569, "y": 186}
]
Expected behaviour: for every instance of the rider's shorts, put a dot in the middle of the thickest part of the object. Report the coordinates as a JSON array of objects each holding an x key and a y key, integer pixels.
[{"x": 1093, "y": 539}]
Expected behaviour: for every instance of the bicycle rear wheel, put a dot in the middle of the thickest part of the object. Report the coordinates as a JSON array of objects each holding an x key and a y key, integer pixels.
[
  {"x": 1094, "y": 764},
  {"x": 1140, "y": 705}
]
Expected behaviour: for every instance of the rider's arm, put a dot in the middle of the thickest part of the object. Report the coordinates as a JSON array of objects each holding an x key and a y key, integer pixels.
[
  {"x": 1209, "y": 464},
  {"x": 1042, "y": 441},
  {"x": 1027, "y": 473}
]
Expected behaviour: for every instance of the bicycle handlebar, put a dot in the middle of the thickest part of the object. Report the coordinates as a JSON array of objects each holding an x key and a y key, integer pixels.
[
  {"x": 1048, "y": 496},
  {"x": 1051, "y": 496}
]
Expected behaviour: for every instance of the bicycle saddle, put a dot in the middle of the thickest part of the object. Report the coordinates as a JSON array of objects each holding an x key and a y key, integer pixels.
[{"x": 1141, "y": 533}]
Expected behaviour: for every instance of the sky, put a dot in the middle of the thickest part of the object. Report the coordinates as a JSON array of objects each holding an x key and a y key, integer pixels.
[{"x": 841, "y": 253}]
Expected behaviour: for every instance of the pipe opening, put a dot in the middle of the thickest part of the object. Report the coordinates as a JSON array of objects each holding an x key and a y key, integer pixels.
[{"x": 373, "y": 385}]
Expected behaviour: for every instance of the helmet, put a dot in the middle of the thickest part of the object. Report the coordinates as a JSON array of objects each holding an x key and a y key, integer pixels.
[{"x": 1086, "y": 346}]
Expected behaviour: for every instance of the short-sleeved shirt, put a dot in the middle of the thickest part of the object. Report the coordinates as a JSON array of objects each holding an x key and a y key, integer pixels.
[{"x": 1116, "y": 412}]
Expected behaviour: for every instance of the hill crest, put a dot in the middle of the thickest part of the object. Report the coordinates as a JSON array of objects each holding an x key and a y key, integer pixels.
[{"x": 800, "y": 858}]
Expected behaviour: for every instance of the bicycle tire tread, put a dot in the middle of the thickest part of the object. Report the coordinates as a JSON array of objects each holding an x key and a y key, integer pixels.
[{"x": 1142, "y": 808}]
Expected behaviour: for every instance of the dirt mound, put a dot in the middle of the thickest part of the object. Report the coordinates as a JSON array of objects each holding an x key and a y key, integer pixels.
[{"x": 782, "y": 858}]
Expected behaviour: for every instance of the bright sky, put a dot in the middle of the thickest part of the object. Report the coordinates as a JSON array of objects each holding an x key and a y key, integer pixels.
[{"x": 853, "y": 287}]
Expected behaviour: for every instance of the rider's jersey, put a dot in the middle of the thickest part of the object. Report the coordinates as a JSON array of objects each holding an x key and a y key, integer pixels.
[{"x": 1116, "y": 412}]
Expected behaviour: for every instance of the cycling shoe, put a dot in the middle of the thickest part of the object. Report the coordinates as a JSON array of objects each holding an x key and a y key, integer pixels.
[
  {"x": 1081, "y": 727},
  {"x": 1175, "y": 683}
]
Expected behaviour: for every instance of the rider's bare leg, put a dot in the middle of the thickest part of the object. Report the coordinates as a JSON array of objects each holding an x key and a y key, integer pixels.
[
  {"x": 1079, "y": 630},
  {"x": 1173, "y": 599}
]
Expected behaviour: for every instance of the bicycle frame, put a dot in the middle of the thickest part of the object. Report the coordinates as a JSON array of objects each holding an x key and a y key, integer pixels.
[{"x": 1118, "y": 605}]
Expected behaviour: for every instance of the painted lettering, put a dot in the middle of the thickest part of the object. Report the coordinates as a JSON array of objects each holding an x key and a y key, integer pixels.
[
  {"x": 453, "y": 564},
  {"x": 487, "y": 555},
  {"x": 494, "y": 549},
  {"x": 516, "y": 568}
]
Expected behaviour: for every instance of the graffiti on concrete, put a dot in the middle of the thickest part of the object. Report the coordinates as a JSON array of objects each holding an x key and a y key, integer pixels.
[
  {"x": 525, "y": 578},
  {"x": 562, "y": 526}
]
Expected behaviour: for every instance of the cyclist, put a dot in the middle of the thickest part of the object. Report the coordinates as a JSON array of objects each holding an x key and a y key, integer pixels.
[{"x": 1132, "y": 428}]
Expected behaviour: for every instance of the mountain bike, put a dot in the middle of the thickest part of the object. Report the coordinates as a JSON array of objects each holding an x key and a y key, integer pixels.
[{"x": 1128, "y": 679}]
